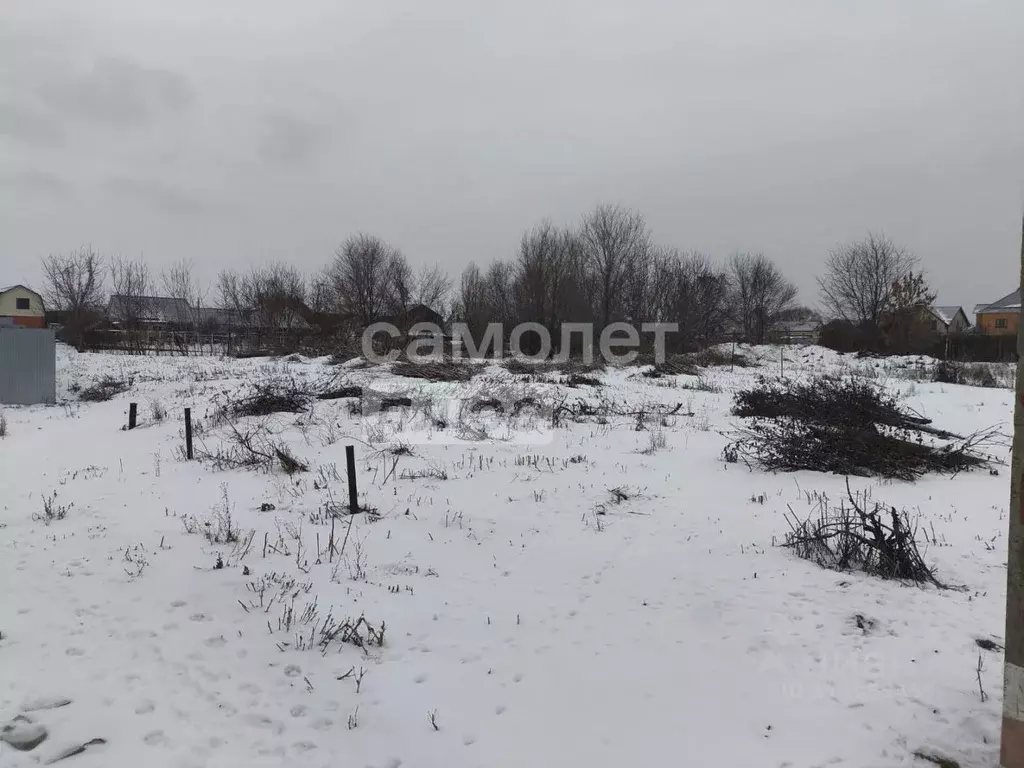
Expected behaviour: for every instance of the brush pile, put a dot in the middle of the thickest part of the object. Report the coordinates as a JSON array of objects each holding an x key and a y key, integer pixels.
[
  {"x": 849, "y": 427},
  {"x": 861, "y": 535},
  {"x": 281, "y": 395},
  {"x": 435, "y": 370}
]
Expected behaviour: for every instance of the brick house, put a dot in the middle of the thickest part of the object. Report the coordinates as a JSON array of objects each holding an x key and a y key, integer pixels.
[{"x": 1000, "y": 318}]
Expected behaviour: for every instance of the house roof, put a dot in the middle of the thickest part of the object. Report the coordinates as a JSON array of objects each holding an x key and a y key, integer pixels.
[
  {"x": 152, "y": 309},
  {"x": 798, "y": 326},
  {"x": 946, "y": 314},
  {"x": 1008, "y": 303},
  {"x": 7, "y": 288}
]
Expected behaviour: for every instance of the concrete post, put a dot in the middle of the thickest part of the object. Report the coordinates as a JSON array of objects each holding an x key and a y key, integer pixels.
[{"x": 1012, "y": 746}]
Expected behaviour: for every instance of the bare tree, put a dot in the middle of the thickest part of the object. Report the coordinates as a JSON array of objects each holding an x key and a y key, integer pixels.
[
  {"x": 907, "y": 325},
  {"x": 130, "y": 281},
  {"x": 360, "y": 275},
  {"x": 859, "y": 277},
  {"x": 614, "y": 242},
  {"x": 73, "y": 283},
  {"x": 499, "y": 282},
  {"x": 179, "y": 283},
  {"x": 319, "y": 293},
  {"x": 473, "y": 305},
  {"x": 277, "y": 294},
  {"x": 433, "y": 289},
  {"x": 131, "y": 294},
  {"x": 689, "y": 290},
  {"x": 760, "y": 293},
  {"x": 544, "y": 277}
]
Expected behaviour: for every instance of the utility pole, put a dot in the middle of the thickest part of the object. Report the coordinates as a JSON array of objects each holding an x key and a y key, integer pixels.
[{"x": 1011, "y": 753}]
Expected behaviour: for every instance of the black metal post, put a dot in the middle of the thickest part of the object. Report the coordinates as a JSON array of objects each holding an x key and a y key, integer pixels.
[
  {"x": 188, "y": 434},
  {"x": 353, "y": 493}
]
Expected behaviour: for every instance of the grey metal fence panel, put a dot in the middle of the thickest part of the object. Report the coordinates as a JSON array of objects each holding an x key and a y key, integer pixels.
[{"x": 28, "y": 366}]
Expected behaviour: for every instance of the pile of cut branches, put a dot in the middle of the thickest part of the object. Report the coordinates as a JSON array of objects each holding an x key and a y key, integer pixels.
[
  {"x": 860, "y": 535},
  {"x": 435, "y": 370},
  {"x": 340, "y": 392},
  {"x": 283, "y": 395},
  {"x": 581, "y": 410},
  {"x": 849, "y": 427},
  {"x": 103, "y": 390}
]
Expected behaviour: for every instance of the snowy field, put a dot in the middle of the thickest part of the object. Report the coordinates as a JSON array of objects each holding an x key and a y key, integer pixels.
[{"x": 589, "y": 595}]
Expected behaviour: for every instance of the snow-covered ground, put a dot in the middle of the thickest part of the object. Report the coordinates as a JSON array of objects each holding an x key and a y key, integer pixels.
[{"x": 532, "y": 618}]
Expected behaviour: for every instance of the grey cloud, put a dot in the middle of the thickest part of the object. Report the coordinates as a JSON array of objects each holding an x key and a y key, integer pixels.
[
  {"x": 24, "y": 123},
  {"x": 155, "y": 194},
  {"x": 118, "y": 91},
  {"x": 39, "y": 182},
  {"x": 288, "y": 141},
  {"x": 448, "y": 128}
]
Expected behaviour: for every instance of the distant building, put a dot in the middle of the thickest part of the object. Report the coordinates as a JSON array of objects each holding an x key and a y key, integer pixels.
[
  {"x": 22, "y": 306},
  {"x": 149, "y": 311},
  {"x": 797, "y": 331},
  {"x": 949, "y": 320},
  {"x": 1000, "y": 318}
]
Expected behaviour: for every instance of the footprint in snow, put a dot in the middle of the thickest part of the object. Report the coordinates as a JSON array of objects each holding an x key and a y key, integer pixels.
[
  {"x": 198, "y": 617},
  {"x": 262, "y": 721},
  {"x": 156, "y": 739},
  {"x": 292, "y": 670},
  {"x": 299, "y": 711},
  {"x": 420, "y": 679},
  {"x": 75, "y": 652},
  {"x": 215, "y": 642},
  {"x": 144, "y": 707},
  {"x": 500, "y": 709}
]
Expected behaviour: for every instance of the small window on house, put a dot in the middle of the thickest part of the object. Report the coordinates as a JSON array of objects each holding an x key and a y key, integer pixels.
[
  {"x": 21, "y": 303},
  {"x": 1001, "y": 322}
]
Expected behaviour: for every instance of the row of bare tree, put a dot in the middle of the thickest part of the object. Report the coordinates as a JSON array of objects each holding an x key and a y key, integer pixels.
[{"x": 607, "y": 269}]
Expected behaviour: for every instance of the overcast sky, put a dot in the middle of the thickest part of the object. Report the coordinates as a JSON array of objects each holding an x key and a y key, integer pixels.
[{"x": 241, "y": 131}]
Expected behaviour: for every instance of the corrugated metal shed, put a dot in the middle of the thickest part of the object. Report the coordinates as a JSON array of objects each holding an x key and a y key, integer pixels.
[{"x": 28, "y": 365}]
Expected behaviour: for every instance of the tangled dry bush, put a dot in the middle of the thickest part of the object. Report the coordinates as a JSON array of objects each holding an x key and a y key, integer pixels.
[
  {"x": 860, "y": 535},
  {"x": 105, "y": 389},
  {"x": 969, "y": 374},
  {"x": 251, "y": 446},
  {"x": 846, "y": 426},
  {"x": 714, "y": 357}
]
